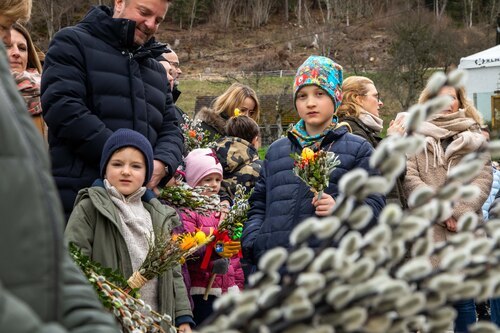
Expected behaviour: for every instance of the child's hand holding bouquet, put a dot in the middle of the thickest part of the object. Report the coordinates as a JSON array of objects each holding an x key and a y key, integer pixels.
[{"x": 314, "y": 168}]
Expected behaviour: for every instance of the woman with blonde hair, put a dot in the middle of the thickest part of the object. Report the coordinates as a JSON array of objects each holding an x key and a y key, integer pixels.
[
  {"x": 237, "y": 96},
  {"x": 450, "y": 134},
  {"x": 360, "y": 109},
  {"x": 26, "y": 69}
]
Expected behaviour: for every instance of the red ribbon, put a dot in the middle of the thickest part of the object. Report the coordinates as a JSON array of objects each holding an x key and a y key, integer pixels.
[{"x": 219, "y": 237}]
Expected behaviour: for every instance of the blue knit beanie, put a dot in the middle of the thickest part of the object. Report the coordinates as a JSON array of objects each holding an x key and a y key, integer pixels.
[
  {"x": 128, "y": 138},
  {"x": 322, "y": 72}
]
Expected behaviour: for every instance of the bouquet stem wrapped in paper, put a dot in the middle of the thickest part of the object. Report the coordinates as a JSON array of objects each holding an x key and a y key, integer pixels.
[{"x": 314, "y": 168}]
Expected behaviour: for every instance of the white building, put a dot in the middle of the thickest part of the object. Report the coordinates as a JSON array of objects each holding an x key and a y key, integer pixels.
[{"x": 483, "y": 78}]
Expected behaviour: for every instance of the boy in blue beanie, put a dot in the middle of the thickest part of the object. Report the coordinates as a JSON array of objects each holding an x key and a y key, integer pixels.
[
  {"x": 112, "y": 219},
  {"x": 281, "y": 200}
]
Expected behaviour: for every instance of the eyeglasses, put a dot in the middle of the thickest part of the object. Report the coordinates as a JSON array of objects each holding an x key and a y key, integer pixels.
[{"x": 377, "y": 96}]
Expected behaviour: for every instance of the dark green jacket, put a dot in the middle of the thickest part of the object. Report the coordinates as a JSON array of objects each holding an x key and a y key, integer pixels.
[
  {"x": 41, "y": 289},
  {"x": 94, "y": 226}
]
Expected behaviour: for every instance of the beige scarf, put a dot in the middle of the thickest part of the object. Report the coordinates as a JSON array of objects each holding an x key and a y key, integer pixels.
[
  {"x": 464, "y": 132},
  {"x": 136, "y": 228},
  {"x": 372, "y": 121}
]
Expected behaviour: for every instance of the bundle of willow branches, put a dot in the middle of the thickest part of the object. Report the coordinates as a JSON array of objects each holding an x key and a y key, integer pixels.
[{"x": 381, "y": 281}]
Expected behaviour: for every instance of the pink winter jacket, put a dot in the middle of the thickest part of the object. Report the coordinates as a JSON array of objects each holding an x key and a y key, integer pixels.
[{"x": 232, "y": 281}]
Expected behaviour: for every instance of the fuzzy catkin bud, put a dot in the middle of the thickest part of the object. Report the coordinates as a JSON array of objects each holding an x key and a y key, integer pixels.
[
  {"x": 378, "y": 324},
  {"x": 483, "y": 327},
  {"x": 420, "y": 196},
  {"x": 437, "y": 104},
  {"x": 445, "y": 282},
  {"x": 326, "y": 227},
  {"x": 273, "y": 259},
  {"x": 339, "y": 296},
  {"x": 302, "y": 231},
  {"x": 391, "y": 215},
  {"x": 378, "y": 235},
  {"x": 494, "y": 149},
  {"x": 352, "y": 181},
  {"x": 415, "y": 269},
  {"x": 467, "y": 222},
  {"x": 360, "y": 217},
  {"x": 361, "y": 270},
  {"x": 354, "y": 318},
  {"x": 454, "y": 261},
  {"x": 466, "y": 170},
  {"x": 457, "y": 78},
  {"x": 411, "y": 304},
  {"x": 299, "y": 259},
  {"x": 416, "y": 116},
  {"x": 435, "y": 83},
  {"x": 350, "y": 243}
]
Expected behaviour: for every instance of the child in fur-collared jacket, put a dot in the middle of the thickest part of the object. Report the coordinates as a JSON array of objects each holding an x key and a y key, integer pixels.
[{"x": 280, "y": 199}]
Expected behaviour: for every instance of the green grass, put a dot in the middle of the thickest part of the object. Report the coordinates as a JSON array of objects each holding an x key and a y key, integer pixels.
[
  {"x": 263, "y": 86},
  {"x": 262, "y": 152}
]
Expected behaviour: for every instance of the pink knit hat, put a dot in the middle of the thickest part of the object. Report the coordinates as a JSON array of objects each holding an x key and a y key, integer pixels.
[{"x": 199, "y": 164}]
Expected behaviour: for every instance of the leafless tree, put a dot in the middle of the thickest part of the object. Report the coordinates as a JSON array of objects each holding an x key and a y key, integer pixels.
[{"x": 223, "y": 11}]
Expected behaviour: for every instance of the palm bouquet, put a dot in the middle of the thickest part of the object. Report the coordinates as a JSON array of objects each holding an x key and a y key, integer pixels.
[
  {"x": 132, "y": 313},
  {"x": 228, "y": 233},
  {"x": 184, "y": 197},
  {"x": 314, "y": 168},
  {"x": 194, "y": 136},
  {"x": 164, "y": 253}
]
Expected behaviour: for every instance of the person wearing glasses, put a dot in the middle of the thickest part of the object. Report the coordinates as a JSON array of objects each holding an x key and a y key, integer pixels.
[
  {"x": 170, "y": 61},
  {"x": 360, "y": 109}
]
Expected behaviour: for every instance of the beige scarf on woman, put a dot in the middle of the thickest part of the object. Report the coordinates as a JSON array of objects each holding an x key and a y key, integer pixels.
[
  {"x": 372, "y": 121},
  {"x": 464, "y": 131}
]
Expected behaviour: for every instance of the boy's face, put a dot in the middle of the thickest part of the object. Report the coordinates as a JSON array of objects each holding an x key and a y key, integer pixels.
[
  {"x": 212, "y": 180},
  {"x": 126, "y": 170},
  {"x": 315, "y": 107}
]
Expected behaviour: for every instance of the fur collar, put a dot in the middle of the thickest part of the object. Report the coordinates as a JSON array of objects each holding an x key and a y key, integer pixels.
[{"x": 212, "y": 119}]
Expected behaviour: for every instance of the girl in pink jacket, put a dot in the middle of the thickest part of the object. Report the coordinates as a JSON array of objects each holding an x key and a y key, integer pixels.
[{"x": 204, "y": 169}]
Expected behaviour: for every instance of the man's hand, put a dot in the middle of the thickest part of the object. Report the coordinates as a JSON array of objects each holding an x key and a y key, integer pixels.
[
  {"x": 158, "y": 174},
  {"x": 324, "y": 206}
]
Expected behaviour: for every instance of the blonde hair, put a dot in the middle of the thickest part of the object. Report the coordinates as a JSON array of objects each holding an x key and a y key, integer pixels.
[
  {"x": 16, "y": 9},
  {"x": 33, "y": 59},
  {"x": 352, "y": 88},
  {"x": 463, "y": 103},
  {"x": 232, "y": 98}
]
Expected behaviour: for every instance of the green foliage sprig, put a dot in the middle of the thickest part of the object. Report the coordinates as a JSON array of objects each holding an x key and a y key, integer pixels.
[
  {"x": 238, "y": 214},
  {"x": 184, "y": 197}
]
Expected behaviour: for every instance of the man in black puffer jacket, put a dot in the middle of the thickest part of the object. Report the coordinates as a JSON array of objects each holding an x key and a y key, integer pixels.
[{"x": 99, "y": 76}]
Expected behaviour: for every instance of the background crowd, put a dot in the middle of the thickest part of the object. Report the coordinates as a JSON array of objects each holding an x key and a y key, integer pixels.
[{"x": 103, "y": 106}]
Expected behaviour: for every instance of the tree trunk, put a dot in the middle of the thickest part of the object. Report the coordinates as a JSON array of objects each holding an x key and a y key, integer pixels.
[
  {"x": 286, "y": 10},
  {"x": 299, "y": 12},
  {"x": 193, "y": 15}
]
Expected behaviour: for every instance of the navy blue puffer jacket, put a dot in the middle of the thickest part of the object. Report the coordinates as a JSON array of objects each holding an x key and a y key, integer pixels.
[
  {"x": 96, "y": 81},
  {"x": 281, "y": 200}
]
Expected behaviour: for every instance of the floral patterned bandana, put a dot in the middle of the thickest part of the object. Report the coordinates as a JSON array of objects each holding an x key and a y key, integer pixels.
[{"x": 322, "y": 72}]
